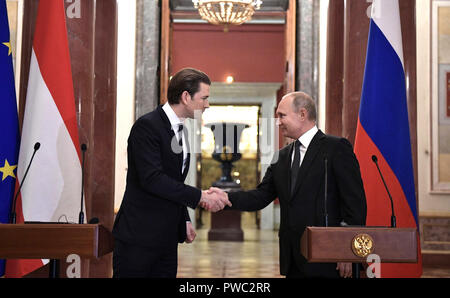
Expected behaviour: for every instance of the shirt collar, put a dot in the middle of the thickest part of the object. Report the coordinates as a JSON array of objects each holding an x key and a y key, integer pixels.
[
  {"x": 307, "y": 137},
  {"x": 173, "y": 118}
]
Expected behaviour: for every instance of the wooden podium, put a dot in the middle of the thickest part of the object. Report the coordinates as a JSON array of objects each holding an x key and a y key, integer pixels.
[
  {"x": 354, "y": 244},
  {"x": 54, "y": 241}
]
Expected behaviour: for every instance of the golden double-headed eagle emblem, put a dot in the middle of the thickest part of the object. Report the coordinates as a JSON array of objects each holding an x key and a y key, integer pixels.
[{"x": 362, "y": 245}]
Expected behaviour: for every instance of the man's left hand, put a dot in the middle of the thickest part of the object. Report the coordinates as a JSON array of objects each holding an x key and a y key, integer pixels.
[
  {"x": 190, "y": 232},
  {"x": 345, "y": 269}
]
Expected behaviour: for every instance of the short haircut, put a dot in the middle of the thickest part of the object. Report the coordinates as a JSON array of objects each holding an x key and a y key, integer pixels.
[
  {"x": 303, "y": 100},
  {"x": 187, "y": 79}
]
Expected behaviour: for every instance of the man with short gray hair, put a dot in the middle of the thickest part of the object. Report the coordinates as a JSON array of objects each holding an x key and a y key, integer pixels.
[{"x": 297, "y": 179}]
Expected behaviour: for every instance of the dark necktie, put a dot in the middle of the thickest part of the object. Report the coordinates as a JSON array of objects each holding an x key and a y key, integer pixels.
[
  {"x": 180, "y": 136},
  {"x": 180, "y": 142},
  {"x": 295, "y": 165}
]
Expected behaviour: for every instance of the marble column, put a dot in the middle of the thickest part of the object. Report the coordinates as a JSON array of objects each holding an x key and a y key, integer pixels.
[
  {"x": 80, "y": 33},
  {"x": 335, "y": 67},
  {"x": 408, "y": 23},
  {"x": 29, "y": 19},
  {"x": 104, "y": 124},
  {"x": 356, "y": 30},
  {"x": 307, "y": 50},
  {"x": 147, "y": 55},
  {"x": 93, "y": 49}
]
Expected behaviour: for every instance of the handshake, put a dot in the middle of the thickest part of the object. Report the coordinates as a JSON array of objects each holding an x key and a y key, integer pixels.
[{"x": 214, "y": 199}]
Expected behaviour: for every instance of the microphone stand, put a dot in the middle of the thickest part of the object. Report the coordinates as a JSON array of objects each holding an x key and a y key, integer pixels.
[
  {"x": 393, "y": 219},
  {"x": 13, "y": 211},
  {"x": 356, "y": 266},
  {"x": 81, "y": 215},
  {"x": 326, "y": 192},
  {"x": 54, "y": 263}
]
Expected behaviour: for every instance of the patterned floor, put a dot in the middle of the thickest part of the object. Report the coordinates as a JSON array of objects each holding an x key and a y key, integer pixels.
[{"x": 255, "y": 257}]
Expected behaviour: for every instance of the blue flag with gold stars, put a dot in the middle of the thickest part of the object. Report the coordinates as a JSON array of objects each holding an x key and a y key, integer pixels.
[{"x": 9, "y": 123}]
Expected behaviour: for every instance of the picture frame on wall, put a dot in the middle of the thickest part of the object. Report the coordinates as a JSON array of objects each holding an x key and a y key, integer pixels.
[
  {"x": 444, "y": 94},
  {"x": 440, "y": 97}
]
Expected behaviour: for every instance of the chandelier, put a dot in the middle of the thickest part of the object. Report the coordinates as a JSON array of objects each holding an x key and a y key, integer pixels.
[{"x": 227, "y": 12}]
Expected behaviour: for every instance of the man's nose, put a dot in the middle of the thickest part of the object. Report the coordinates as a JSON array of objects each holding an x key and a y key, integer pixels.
[
  {"x": 206, "y": 104},
  {"x": 277, "y": 121}
]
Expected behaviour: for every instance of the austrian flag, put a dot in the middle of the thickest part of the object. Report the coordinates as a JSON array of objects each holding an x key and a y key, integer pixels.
[{"x": 51, "y": 192}]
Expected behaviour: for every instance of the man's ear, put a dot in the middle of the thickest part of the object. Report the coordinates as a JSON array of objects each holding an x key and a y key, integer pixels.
[
  {"x": 185, "y": 97},
  {"x": 302, "y": 113}
]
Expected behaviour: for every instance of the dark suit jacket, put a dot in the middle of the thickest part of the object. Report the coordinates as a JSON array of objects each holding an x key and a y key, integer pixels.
[
  {"x": 153, "y": 211},
  {"x": 345, "y": 196}
]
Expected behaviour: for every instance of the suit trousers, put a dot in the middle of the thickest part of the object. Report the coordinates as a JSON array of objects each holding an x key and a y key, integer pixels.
[
  {"x": 298, "y": 269},
  {"x": 136, "y": 261}
]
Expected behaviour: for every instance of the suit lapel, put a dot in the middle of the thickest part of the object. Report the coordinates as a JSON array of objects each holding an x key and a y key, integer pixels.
[
  {"x": 165, "y": 120},
  {"x": 311, "y": 153}
]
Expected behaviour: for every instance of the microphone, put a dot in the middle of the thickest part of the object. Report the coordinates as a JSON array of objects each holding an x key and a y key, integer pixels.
[
  {"x": 13, "y": 211},
  {"x": 326, "y": 192},
  {"x": 393, "y": 220},
  {"x": 81, "y": 215}
]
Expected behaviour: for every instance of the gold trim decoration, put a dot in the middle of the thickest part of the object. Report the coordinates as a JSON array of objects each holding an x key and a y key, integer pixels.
[
  {"x": 227, "y": 12},
  {"x": 227, "y": 154},
  {"x": 362, "y": 245}
]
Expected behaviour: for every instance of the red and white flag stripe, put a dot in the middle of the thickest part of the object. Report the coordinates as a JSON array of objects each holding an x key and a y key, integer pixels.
[{"x": 51, "y": 192}]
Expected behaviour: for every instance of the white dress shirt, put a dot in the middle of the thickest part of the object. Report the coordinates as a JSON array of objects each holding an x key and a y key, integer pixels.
[
  {"x": 175, "y": 122},
  {"x": 305, "y": 139}
]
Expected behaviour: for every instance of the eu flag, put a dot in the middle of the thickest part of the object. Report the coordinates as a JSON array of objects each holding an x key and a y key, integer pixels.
[{"x": 9, "y": 123}]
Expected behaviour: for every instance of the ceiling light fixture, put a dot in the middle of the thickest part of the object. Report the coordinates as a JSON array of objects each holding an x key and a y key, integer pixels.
[{"x": 227, "y": 12}]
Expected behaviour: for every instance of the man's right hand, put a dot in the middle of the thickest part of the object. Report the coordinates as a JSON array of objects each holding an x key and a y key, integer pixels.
[{"x": 214, "y": 199}]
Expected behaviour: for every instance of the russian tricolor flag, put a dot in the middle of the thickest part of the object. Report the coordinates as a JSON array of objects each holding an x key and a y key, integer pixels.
[{"x": 383, "y": 130}]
